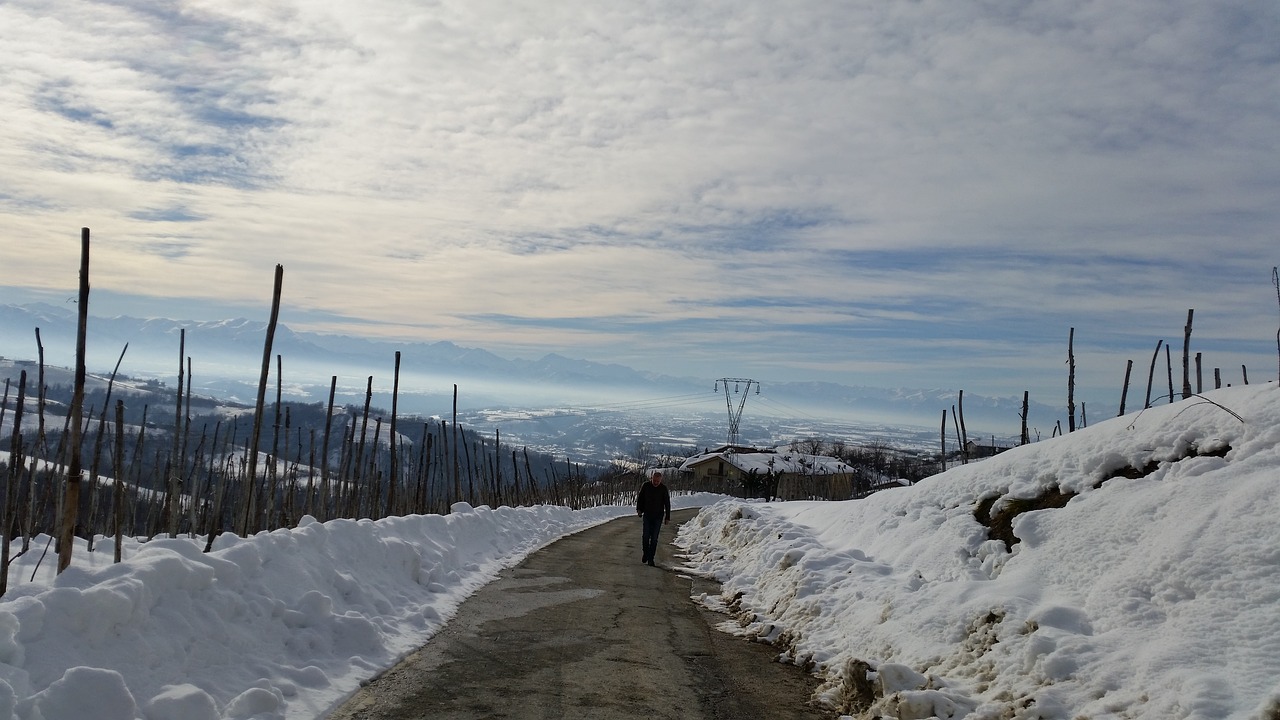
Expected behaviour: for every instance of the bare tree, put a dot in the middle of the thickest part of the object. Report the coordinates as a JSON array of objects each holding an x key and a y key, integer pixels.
[{"x": 813, "y": 445}]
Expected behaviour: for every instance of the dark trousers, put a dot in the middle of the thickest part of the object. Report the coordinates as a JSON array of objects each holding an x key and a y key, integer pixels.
[{"x": 649, "y": 536}]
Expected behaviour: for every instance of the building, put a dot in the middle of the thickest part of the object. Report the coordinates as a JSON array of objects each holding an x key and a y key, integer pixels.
[{"x": 769, "y": 473}]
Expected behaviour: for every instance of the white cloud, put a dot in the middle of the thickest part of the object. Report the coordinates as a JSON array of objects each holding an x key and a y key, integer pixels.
[{"x": 538, "y": 176}]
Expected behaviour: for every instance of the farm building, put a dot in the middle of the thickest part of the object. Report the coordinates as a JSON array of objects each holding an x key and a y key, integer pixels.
[{"x": 769, "y": 473}]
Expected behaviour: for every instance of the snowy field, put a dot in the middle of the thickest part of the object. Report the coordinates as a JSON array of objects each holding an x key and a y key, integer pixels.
[{"x": 1151, "y": 591}]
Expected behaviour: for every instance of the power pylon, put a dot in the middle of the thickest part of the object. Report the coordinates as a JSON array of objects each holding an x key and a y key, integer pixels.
[{"x": 735, "y": 415}]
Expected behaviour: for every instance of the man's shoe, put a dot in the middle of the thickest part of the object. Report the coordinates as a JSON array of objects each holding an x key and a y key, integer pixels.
[{"x": 650, "y": 563}]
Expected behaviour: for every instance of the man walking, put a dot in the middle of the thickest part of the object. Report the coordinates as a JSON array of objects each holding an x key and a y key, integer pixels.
[{"x": 653, "y": 505}]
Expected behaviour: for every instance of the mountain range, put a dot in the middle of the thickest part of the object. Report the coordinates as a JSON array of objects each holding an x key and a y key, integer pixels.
[{"x": 226, "y": 358}]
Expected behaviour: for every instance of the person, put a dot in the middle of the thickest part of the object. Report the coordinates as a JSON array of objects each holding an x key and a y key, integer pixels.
[{"x": 653, "y": 505}]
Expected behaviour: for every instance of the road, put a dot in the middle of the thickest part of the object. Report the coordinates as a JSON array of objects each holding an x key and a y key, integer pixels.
[{"x": 582, "y": 629}]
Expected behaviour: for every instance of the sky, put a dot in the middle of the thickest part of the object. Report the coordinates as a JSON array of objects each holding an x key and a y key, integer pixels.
[
  {"x": 925, "y": 194},
  {"x": 1147, "y": 598}
]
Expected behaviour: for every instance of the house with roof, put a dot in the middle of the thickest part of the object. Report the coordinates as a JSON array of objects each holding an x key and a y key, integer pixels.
[{"x": 769, "y": 473}]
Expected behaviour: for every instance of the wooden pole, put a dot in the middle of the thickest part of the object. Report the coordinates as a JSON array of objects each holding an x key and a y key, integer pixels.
[
  {"x": 117, "y": 504},
  {"x": 175, "y": 462},
  {"x": 457, "y": 485},
  {"x": 1186, "y": 356},
  {"x": 394, "y": 468},
  {"x": 1071, "y": 381},
  {"x": 251, "y": 481},
  {"x": 1124, "y": 392},
  {"x": 71, "y": 502},
  {"x": 15, "y": 475},
  {"x": 322, "y": 510},
  {"x": 1151, "y": 373},
  {"x": 1026, "y": 406}
]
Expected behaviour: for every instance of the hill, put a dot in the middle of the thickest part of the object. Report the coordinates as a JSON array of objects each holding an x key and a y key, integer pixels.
[
  {"x": 1127, "y": 570},
  {"x": 1149, "y": 594}
]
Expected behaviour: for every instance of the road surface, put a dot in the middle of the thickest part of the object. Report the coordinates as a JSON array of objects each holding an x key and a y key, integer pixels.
[{"x": 582, "y": 629}]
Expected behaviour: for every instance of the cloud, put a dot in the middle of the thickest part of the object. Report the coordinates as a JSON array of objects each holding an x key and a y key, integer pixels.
[{"x": 834, "y": 186}]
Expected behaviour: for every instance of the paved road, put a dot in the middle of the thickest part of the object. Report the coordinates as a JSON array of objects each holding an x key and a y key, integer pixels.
[{"x": 582, "y": 629}]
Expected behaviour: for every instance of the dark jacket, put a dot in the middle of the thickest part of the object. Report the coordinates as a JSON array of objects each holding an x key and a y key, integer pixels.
[{"x": 654, "y": 501}]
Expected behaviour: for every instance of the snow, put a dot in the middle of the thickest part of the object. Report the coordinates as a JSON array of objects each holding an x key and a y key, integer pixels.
[
  {"x": 780, "y": 462},
  {"x": 1149, "y": 597},
  {"x": 283, "y": 624},
  {"x": 1153, "y": 592}
]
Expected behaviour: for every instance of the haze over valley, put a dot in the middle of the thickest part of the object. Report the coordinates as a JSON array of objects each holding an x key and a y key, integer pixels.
[{"x": 562, "y": 406}]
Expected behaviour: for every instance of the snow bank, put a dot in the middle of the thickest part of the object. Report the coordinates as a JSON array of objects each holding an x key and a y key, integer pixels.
[
  {"x": 279, "y": 625},
  {"x": 1143, "y": 579}
]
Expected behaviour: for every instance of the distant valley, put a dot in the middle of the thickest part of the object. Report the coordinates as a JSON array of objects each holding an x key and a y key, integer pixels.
[{"x": 556, "y": 404}]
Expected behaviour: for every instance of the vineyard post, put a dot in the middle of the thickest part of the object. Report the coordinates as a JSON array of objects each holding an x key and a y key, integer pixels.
[
  {"x": 251, "y": 480},
  {"x": 358, "y": 466},
  {"x": 943, "y": 434},
  {"x": 1275, "y": 280},
  {"x": 42, "y": 443},
  {"x": 1071, "y": 381},
  {"x": 457, "y": 485},
  {"x": 1186, "y": 356},
  {"x": 273, "y": 470},
  {"x": 1124, "y": 391},
  {"x": 1026, "y": 406},
  {"x": 322, "y": 511},
  {"x": 1151, "y": 373},
  {"x": 97, "y": 449},
  {"x": 15, "y": 474},
  {"x": 175, "y": 462},
  {"x": 71, "y": 504},
  {"x": 393, "y": 469},
  {"x": 117, "y": 504}
]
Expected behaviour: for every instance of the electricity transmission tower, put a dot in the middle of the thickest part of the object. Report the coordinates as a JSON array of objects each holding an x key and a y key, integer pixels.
[{"x": 735, "y": 415}]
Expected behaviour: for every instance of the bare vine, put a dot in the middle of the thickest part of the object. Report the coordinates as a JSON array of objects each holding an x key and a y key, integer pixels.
[{"x": 1203, "y": 399}]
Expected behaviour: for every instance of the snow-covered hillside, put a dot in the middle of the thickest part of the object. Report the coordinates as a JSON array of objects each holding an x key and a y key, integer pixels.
[
  {"x": 1152, "y": 592},
  {"x": 1142, "y": 581}
]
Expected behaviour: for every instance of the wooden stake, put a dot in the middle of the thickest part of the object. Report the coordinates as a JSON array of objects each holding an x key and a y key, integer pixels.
[
  {"x": 251, "y": 482},
  {"x": 1186, "y": 356},
  {"x": 71, "y": 502}
]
